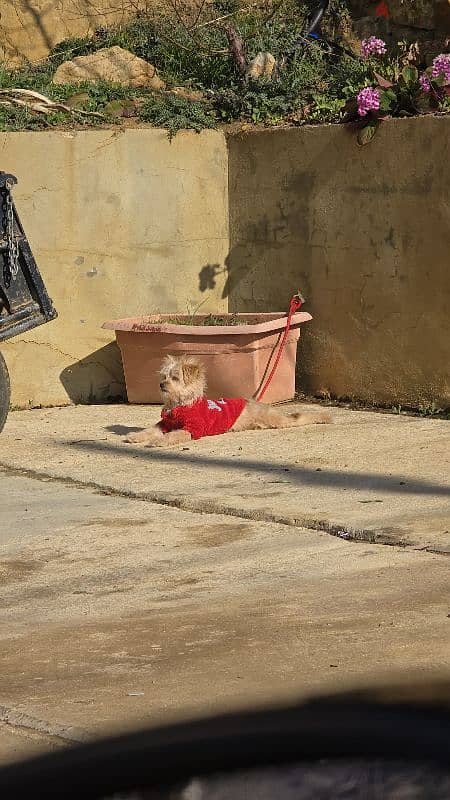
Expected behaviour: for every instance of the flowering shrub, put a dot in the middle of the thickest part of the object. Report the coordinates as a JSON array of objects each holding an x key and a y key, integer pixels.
[
  {"x": 368, "y": 100},
  {"x": 373, "y": 46},
  {"x": 425, "y": 83},
  {"x": 441, "y": 67},
  {"x": 396, "y": 88}
]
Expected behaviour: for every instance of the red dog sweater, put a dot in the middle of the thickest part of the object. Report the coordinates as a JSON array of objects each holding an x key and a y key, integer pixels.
[{"x": 204, "y": 417}]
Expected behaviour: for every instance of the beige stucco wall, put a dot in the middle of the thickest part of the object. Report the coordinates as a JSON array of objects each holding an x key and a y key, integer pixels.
[
  {"x": 121, "y": 224},
  {"x": 126, "y": 223},
  {"x": 365, "y": 233}
]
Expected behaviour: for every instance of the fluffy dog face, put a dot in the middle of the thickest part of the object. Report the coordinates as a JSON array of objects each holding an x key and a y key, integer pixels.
[{"x": 182, "y": 381}]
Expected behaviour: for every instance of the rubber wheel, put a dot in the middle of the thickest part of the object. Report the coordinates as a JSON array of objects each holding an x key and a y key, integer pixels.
[{"x": 5, "y": 392}]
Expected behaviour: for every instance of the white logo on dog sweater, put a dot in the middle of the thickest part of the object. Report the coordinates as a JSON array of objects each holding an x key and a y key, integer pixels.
[{"x": 213, "y": 406}]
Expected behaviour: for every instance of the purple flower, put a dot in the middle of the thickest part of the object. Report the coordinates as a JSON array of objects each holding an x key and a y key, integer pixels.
[
  {"x": 368, "y": 100},
  {"x": 441, "y": 66},
  {"x": 425, "y": 83},
  {"x": 372, "y": 47}
]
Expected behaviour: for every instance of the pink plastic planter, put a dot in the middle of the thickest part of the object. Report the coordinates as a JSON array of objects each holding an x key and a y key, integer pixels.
[{"x": 236, "y": 357}]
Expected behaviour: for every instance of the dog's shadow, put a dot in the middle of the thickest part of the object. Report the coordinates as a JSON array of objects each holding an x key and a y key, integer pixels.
[{"x": 122, "y": 430}]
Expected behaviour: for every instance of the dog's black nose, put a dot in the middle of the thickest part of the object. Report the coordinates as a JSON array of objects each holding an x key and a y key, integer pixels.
[{"x": 162, "y": 385}]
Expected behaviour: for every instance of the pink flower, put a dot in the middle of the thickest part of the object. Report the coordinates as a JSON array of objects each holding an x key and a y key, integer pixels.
[
  {"x": 368, "y": 100},
  {"x": 441, "y": 66},
  {"x": 372, "y": 47},
  {"x": 425, "y": 83}
]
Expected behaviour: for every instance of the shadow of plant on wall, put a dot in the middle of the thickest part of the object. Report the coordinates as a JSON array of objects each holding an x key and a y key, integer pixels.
[
  {"x": 207, "y": 276},
  {"x": 237, "y": 265},
  {"x": 271, "y": 246},
  {"x": 252, "y": 280}
]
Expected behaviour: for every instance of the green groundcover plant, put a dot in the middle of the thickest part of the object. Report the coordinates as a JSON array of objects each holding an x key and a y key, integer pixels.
[{"x": 194, "y": 49}]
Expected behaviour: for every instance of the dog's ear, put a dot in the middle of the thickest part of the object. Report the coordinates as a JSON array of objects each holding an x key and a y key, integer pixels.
[
  {"x": 167, "y": 364},
  {"x": 192, "y": 371}
]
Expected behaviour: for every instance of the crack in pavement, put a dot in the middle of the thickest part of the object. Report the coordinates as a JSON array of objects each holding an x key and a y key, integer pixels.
[
  {"x": 18, "y": 719},
  {"x": 203, "y": 506}
]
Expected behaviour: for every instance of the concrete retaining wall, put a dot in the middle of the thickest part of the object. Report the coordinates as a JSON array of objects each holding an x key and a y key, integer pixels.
[
  {"x": 365, "y": 233},
  {"x": 120, "y": 223},
  {"x": 126, "y": 223}
]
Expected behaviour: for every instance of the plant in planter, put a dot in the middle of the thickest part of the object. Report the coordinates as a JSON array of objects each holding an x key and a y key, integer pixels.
[
  {"x": 238, "y": 351},
  {"x": 397, "y": 88}
]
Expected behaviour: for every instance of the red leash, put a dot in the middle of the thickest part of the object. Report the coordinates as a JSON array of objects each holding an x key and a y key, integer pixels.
[{"x": 294, "y": 306}]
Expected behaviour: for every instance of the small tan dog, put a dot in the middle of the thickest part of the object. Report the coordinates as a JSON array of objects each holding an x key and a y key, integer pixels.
[{"x": 188, "y": 414}]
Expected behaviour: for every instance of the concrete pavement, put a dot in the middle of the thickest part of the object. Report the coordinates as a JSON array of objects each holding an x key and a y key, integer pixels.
[
  {"x": 376, "y": 477},
  {"x": 117, "y": 610}
]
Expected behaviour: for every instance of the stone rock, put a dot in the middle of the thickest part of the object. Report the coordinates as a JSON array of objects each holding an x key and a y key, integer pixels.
[
  {"x": 425, "y": 21},
  {"x": 411, "y": 13},
  {"x": 262, "y": 66},
  {"x": 109, "y": 64},
  {"x": 429, "y": 45},
  {"x": 442, "y": 15}
]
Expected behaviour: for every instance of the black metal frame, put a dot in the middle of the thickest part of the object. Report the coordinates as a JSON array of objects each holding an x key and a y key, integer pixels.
[
  {"x": 24, "y": 301},
  {"x": 315, "y": 18}
]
